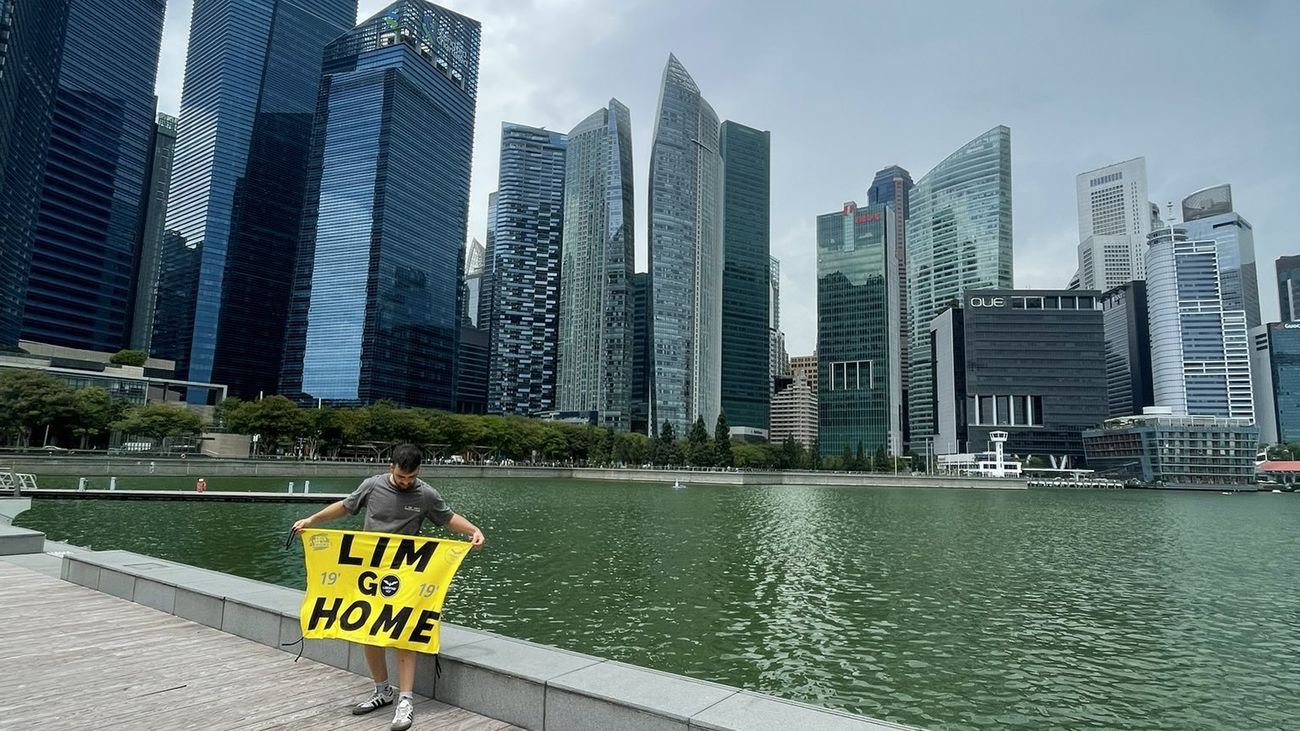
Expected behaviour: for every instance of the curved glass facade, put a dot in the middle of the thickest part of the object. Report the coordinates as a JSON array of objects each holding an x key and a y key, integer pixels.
[
  {"x": 252, "y": 74},
  {"x": 528, "y": 229},
  {"x": 375, "y": 311},
  {"x": 685, "y": 255},
  {"x": 595, "y": 352},
  {"x": 958, "y": 238},
  {"x": 80, "y": 288}
]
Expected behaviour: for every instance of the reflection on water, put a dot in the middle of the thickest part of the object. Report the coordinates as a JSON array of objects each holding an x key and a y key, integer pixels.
[{"x": 942, "y": 608}]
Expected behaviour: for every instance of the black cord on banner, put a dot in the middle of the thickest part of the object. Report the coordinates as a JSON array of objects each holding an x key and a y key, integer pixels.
[{"x": 300, "y": 642}]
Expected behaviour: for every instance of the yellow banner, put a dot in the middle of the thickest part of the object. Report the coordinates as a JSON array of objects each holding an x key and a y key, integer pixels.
[{"x": 377, "y": 588}]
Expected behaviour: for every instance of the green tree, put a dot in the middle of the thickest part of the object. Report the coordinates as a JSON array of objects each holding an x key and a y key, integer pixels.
[
  {"x": 792, "y": 457},
  {"x": 722, "y": 442},
  {"x": 32, "y": 401},
  {"x": 273, "y": 418},
  {"x": 129, "y": 358},
  {"x": 881, "y": 461},
  {"x": 860, "y": 459},
  {"x": 815, "y": 455},
  {"x": 698, "y": 449},
  {"x": 667, "y": 452},
  {"x": 846, "y": 459},
  {"x": 95, "y": 413},
  {"x": 160, "y": 421}
]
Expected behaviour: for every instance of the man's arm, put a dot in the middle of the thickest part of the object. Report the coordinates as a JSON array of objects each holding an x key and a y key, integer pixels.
[
  {"x": 333, "y": 511},
  {"x": 460, "y": 525}
]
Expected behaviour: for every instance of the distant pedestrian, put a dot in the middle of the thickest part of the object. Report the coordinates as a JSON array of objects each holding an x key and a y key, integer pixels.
[
  {"x": 201, "y": 485},
  {"x": 152, "y": 467}
]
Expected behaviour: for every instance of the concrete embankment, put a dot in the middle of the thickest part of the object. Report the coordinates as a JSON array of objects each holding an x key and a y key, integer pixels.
[{"x": 75, "y": 466}]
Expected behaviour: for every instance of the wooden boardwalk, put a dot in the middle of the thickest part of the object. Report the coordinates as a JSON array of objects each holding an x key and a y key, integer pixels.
[{"x": 72, "y": 657}]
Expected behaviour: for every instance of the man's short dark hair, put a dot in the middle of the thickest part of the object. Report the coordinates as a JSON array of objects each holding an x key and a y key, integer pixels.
[{"x": 406, "y": 457}]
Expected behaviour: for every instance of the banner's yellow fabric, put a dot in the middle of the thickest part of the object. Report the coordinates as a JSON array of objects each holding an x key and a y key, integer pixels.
[{"x": 377, "y": 588}]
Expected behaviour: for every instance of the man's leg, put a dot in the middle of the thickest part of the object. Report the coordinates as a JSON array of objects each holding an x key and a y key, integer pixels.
[
  {"x": 405, "y": 712},
  {"x": 384, "y": 695}
]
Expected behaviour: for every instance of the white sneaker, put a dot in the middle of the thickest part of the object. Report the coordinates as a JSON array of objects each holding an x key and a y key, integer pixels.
[
  {"x": 375, "y": 702},
  {"x": 403, "y": 716}
]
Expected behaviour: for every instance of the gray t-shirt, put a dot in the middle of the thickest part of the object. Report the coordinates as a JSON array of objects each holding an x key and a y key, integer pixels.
[{"x": 389, "y": 510}]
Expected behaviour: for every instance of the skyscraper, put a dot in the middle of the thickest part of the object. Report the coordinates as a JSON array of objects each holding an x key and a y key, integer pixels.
[
  {"x": 251, "y": 78},
  {"x": 891, "y": 187},
  {"x": 642, "y": 353},
  {"x": 1200, "y": 356},
  {"x": 1208, "y": 216},
  {"x": 746, "y": 386},
  {"x": 686, "y": 255},
  {"x": 958, "y": 238},
  {"x": 151, "y": 233},
  {"x": 1114, "y": 220},
  {"x": 30, "y": 50},
  {"x": 778, "y": 360},
  {"x": 524, "y": 326},
  {"x": 376, "y": 312},
  {"x": 859, "y": 354},
  {"x": 1275, "y": 375},
  {"x": 81, "y": 281},
  {"x": 1128, "y": 350},
  {"x": 1288, "y": 287},
  {"x": 596, "y": 301}
]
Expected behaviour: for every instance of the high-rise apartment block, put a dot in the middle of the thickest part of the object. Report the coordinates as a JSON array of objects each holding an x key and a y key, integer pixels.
[
  {"x": 686, "y": 256},
  {"x": 958, "y": 238},
  {"x": 859, "y": 398},
  {"x": 524, "y": 327},
  {"x": 794, "y": 405},
  {"x": 598, "y": 260},
  {"x": 376, "y": 306},
  {"x": 252, "y": 75}
]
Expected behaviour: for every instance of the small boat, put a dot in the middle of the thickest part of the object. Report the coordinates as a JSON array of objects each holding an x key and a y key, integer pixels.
[
  {"x": 1278, "y": 492},
  {"x": 677, "y": 485}
]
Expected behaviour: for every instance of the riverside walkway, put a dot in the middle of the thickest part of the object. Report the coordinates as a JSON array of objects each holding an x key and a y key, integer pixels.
[{"x": 78, "y": 658}]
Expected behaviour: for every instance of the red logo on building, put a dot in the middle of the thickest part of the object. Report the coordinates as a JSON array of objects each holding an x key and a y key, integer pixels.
[{"x": 867, "y": 218}]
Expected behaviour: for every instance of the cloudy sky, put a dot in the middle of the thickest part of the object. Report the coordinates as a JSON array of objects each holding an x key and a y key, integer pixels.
[{"x": 1205, "y": 90}]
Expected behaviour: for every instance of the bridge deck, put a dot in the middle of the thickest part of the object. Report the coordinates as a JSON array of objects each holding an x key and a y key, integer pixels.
[{"x": 76, "y": 658}]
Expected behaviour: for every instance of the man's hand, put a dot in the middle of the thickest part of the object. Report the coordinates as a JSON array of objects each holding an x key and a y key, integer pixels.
[
  {"x": 301, "y": 526},
  {"x": 476, "y": 540}
]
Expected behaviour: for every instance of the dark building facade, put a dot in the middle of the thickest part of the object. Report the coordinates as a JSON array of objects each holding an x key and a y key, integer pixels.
[
  {"x": 525, "y": 275},
  {"x": 1275, "y": 378},
  {"x": 80, "y": 286},
  {"x": 178, "y": 285},
  {"x": 1128, "y": 350},
  {"x": 252, "y": 74},
  {"x": 891, "y": 187},
  {"x": 376, "y": 300},
  {"x": 746, "y": 269},
  {"x": 1032, "y": 364},
  {"x": 471, "y": 371},
  {"x": 859, "y": 398},
  {"x": 29, "y": 64},
  {"x": 1288, "y": 288},
  {"x": 152, "y": 230},
  {"x": 642, "y": 356}
]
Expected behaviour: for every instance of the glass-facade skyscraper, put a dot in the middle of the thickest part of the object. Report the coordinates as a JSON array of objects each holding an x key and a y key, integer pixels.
[
  {"x": 81, "y": 280},
  {"x": 376, "y": 299},
  {"x": 891, "y": 187},
  {"x": 1200, "y": 357},
  {"x": 859, "y": 379},
  {"x": 151, "y": 234},
  {"x": 596, "y": 318},
  {"x": 685, "y": 255},
  {"x": 251, "y": 78},
  {"x": 642, "y": 352},
  {"x": 746, "y": 286},
  {"x": 525, "y": 274},
  {"x": 1128, "y": 350},
  {"x": 29, "y": 61},
  {"x": 1208, "y": 216},
  {"x": 1275, "y": 373},
  {"x": 1288, "y": 287},
  {"x": 958, "y": 238}
]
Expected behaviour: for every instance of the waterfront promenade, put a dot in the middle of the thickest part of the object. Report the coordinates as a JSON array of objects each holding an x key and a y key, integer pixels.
[{"x": 78, "y": 658}]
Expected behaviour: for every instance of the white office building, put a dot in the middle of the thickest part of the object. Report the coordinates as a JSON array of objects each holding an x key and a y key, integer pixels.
[{"x": 1114, "y": 220}]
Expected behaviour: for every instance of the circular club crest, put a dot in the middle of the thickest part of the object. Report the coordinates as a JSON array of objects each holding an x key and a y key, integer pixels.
[{"x": 389, "y": 585}]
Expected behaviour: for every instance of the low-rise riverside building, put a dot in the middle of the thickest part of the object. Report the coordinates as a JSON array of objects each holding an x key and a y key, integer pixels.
[{"x": 1161, "y": 449}]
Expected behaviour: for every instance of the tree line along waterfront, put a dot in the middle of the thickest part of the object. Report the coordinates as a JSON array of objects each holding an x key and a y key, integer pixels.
[{"x": 39, "y": 411}]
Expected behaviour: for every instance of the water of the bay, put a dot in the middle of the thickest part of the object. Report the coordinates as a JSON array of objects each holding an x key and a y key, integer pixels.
[{"x": 947, "y": 609}]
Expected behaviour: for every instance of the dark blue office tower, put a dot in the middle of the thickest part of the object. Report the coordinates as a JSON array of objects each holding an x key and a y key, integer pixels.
[
  {"x": 251, "y": 81},
  {"x": 375, "y": 311},
  {"x": 29, "y": 62},
  {"x": 81, "y": 283}
]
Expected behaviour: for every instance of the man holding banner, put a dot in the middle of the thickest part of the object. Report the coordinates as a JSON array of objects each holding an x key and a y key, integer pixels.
[{"x": 396, "y": 502}]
